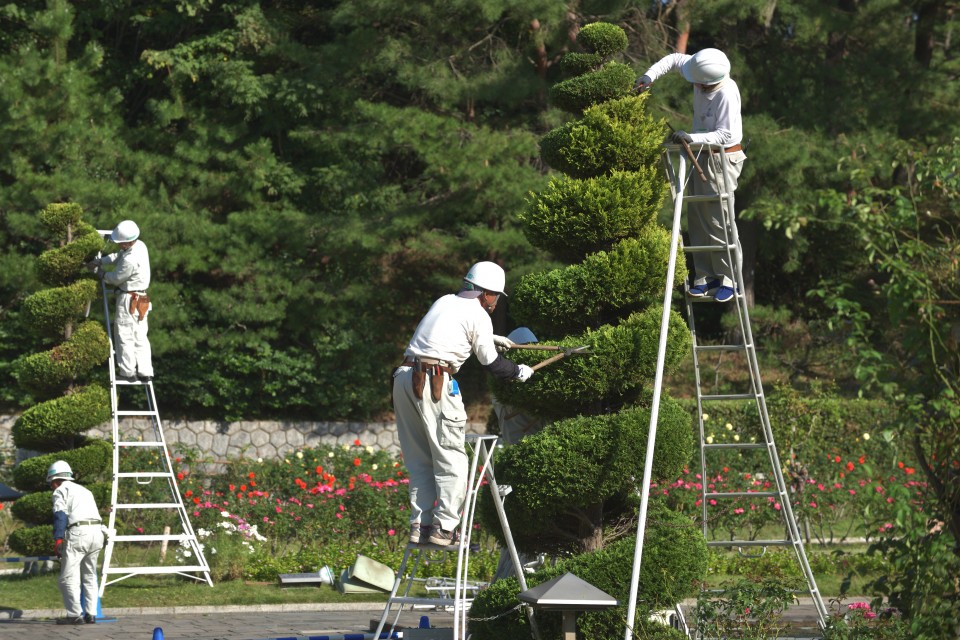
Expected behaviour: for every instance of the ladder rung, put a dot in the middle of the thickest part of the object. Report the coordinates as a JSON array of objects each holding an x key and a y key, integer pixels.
[
  {"x": 151, "y": 537},
  {"x": 171, "y": 569},
  {"x": 736, "y": 445},
  {"x": 743, "y": 494},
  {"x": 137, "y": 413},
  {"x": 134, "y": 383},
  {"x": 144, "y": 474},
  {"x": 140, "y": 443},
  {"x": 147, "y": 505},
  {"x": 706, "y": 198},
  {"x": 709, "y": 248},
  {"x": 721, "y": 347},
  {"x": 749, "y": 543},
  {"x": 440, "y": 602},
  {"x": 730, "y": 396}
]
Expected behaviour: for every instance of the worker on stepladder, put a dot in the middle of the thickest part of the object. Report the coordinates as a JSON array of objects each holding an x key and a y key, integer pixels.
[
  {"x": 515, "y": 424},
  {"x": 717, "y": 121},
  {"x": 78, "y": 535},
  {"x": 131, "y": 277},
  {"x": 429, "y": 408}
]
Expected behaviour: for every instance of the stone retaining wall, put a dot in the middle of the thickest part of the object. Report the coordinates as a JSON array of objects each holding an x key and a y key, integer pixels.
[{"x": 253, "y": 439}]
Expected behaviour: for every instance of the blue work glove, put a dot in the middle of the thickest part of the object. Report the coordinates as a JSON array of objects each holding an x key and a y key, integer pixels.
[
  {"x": 679, "y": 137},
  {"x": 643, "y": 83}
]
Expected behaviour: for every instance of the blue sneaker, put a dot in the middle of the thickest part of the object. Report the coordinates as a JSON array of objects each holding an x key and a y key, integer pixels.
[
  {"x": 724, "y": 294},
  {"x": 700, "y": 290}
]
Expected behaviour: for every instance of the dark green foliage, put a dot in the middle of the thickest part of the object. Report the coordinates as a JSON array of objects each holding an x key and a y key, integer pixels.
[
  {"x": 605, "y": 286},
  {"x": 613, "y": 80},
  {"x": 58, "y": 266},
  {"x": 89, "y": 462},
  {"x": 47, "y": 372},
  {"x": 36, "y": 507},
  {"x": 32, "y": 541},
  {"x": 617, "y": 134},
  {"x": 571, "y": 218},
  {"x": 674, "y": 558},
  {"x": 575, "y": 63},
  {"x": 602, "y": 38},
  {"x": 623, "y": 359},
  {"x": 48, "y": 311},
  {"x": 56, "y": 424}
]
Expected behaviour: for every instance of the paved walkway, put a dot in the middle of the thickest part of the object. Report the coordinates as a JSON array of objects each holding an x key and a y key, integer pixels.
[{"x": 289, "y": 621}]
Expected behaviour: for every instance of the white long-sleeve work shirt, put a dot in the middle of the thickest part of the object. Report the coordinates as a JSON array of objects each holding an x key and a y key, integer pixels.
[
  {"x": 452, "y": 329},
  {"x": 132, "y": 272},
  {"x": 716, "y": 114},
  {"x": 76, "y": 501}
]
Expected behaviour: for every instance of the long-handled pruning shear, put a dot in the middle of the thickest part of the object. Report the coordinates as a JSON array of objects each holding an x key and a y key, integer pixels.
[{"x": 564, "y": 352}]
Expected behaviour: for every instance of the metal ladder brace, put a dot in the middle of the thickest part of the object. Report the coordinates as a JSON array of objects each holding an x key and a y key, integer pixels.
[
  {"x": 481, "y": 467},
  {"x": 143, "y": 477}
]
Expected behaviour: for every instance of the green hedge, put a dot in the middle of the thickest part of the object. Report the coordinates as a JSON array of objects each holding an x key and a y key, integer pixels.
[
  {"x": 575, "y": 63},
  {"x": 48, "y": 311},
  {"x": 613, "y": 80},
  {"x": 674, "y": 560},
  {"x": 37, "y": 507},
  {"x": 602, "y": 38},
  {"x": 572, "y": 218},
  {"x": 58, "y": 266},
  {"x": 89, "y": 462},
  {"x": 623, "y": 359},
  {"x": 601, "y": 289},
  {"x": 613, "y": 135},
  {"x": 49, "y": 372},
  {"x": 54, "y": 425}
]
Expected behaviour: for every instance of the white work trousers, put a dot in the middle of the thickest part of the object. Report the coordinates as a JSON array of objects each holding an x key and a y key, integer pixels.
[
  {"x": 705, "y": 219},
  {"x": 133, "y": 348},
  {"x": 78, "y": 569},
  {"x": 432, "y": 442}
]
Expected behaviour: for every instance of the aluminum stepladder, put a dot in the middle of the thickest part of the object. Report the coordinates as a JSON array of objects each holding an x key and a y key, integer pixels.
[
  {"x": 675, "y": 160},
  {"x": 199, "y": 569},
  {"x": 481, "y": 468}
]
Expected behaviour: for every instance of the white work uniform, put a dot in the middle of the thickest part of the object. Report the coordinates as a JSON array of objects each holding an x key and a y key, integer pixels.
[
  {"x": 432, "y": 433},
  {"x": 716, "y": 120},
  {"x": 131, "y": 275},
  {"x": 81, "y": 547}
]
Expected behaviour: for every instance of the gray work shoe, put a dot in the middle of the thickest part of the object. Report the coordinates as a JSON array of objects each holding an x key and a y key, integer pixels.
[
  {"x": 419, "y": 534},
  {"x": 443, "y": 538}
]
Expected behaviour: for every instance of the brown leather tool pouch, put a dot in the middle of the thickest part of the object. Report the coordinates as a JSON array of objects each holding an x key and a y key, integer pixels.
[
  {"x": 139, "y": 305},
  {"x": 419, "y": 379},
  {"x": 436, "y": 385}
]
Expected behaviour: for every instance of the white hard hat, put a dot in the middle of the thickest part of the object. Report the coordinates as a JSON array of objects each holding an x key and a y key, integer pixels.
[
  {"x": 488, "y": 276},
  {"x": 59, "y": 470},
  {"x": 522, "y": 335},
  {"x": 126, "y": 231},
  {"x": 707, "y": 66}
]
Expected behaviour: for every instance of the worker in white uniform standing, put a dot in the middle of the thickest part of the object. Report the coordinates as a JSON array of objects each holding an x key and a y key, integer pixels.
[
  {"x": 78, "y": 535},
  {"x": 716, "y": 121},
  {"x": 429, "y": 408},
  {"x": 131, "y": 277}
]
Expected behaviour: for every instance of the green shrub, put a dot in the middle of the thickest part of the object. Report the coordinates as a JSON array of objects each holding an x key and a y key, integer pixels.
[
  {"x": 55, "y": 424},
  {"x": 89, "y": 462},
  {"x": 614, "y": 135},
  {"x": 575, "y": 63},
  {"x": 61, "y": 265},
  {"x": 37, "y": 507},
  {"x": 613, "y": 80},
  {"x": 602, "y": 38},
  {"x": 623, "y": 358},
  {"x": 32, "y": 541},
  {"x": 572, "y": 218},
  {"x": 48, "y": 311},
  {"x": 60, "y": 217},
  {"x": 48, "y": 372},
  {"x": 602, "y": 288}
]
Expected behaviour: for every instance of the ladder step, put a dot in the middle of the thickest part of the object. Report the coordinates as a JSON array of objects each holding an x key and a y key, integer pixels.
[
  {"x": 135, "y": 570},
  {"x": 743, "y": 494},
  {"x": 147, "y": 505},
  {"x": 710, "y": 248},
  {"x": 440, "y": 602},
  {"x": 140, "y": 443},
  {"x": 736, "y": 445},
  {"x": 151, "y": 537},
  {"x": 721, "y": 347},
  {"x": 749, "y": 543},
  {"x": 140, "y": 413},
  {"x": 730, "y": 396},
  {"x": 707, "y": 198},
  {"x": 132, "y": 384},
  {"x": 144, "y": 474}
]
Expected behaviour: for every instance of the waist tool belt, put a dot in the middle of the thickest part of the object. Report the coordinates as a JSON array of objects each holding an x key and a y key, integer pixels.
[
  {"x": 139, "y": 305},
  {"x": 420, "y": 372}
]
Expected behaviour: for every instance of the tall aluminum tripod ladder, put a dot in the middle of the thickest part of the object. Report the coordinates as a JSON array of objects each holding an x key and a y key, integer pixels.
[
  {"x": 481, "y": 468},
  {"x": 130, "y": 481},
  {"x": 680, "y": 162}
]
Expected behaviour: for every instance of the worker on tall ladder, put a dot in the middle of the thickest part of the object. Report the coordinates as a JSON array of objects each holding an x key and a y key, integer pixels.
[
  {"x": 717, "y": 121},
  {"x": 431, "y": 419},
  {"x": 131, "y": 277}
]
